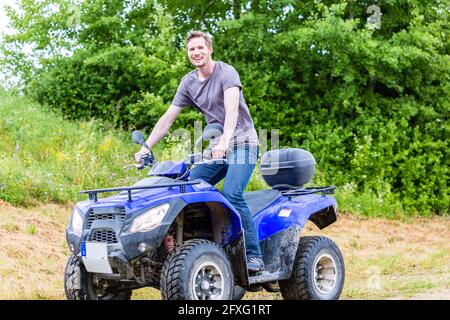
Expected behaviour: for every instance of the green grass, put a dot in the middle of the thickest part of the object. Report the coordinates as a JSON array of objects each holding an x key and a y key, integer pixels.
[
  {"x": 32, "y": 229},
  {"x": 45, "y": 158},
  {"x": 369, "y": 204}
]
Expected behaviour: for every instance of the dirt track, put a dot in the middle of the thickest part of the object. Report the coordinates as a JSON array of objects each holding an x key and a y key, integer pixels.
[
  {"x": 392, "y": 259},
  {"x": 385, "y": 259}
]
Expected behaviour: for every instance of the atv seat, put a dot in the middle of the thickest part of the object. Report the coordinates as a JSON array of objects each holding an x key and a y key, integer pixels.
[{"x": 259, "y": 200}]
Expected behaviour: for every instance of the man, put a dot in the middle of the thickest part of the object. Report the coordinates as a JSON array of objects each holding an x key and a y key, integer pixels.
[{"x": 214, "y": 88}]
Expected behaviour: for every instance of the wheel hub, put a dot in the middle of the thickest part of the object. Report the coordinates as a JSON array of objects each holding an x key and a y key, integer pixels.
[
  {"x": 207, "y": 282},
  {"x": 205, "y": 285},
  {"x": 325, "y": 274}
]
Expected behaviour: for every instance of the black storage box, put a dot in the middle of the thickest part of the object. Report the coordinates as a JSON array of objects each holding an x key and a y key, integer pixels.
[{"x": 287, "y": 168}]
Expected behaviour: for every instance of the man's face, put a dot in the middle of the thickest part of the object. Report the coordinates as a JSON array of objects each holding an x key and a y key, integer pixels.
[{"x": 198, "y": 52}]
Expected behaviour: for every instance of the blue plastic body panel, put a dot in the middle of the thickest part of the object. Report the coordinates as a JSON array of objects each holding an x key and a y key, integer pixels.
[
  {"x": 148, "y": 198},
  {"x": 168, "y": 168},
  {"x": 286, "y": 212}
]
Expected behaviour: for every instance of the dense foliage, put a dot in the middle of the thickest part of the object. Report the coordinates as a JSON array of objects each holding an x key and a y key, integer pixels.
[{"x": 372, "y": 104}]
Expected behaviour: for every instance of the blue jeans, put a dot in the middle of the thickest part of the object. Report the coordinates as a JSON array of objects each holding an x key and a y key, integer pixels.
[{"x": 237, "y": 172}]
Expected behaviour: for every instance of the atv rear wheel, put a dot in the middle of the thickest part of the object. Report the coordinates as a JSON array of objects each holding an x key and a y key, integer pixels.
[
  {"x": 318, "y": 272},
  {"x": 197, "y": 270},
  {"x": 79, "y": 284}
]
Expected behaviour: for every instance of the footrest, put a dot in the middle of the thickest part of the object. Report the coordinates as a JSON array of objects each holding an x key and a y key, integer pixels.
[{"x": 265, "y": 276}]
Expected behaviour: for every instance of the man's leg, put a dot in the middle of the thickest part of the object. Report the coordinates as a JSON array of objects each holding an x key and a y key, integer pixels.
[
  {"x": 241, "y": 163},
  {"x": 211, "y": 173}
]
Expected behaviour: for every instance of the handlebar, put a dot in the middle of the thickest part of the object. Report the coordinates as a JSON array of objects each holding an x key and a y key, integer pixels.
[
  {"x": 211, "y": 131},
  {"x": 200, "y": 158},
  {"x": 148, "y": 160},
  {"x": 210, "y": 161}
]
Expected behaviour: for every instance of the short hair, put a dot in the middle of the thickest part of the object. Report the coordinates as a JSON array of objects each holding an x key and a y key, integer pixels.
[{"x": 199, "y": 34}]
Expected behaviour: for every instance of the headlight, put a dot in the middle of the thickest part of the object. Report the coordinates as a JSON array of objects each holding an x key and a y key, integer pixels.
[
  {"x": 150, "y": 219},
  {"x": 77, "y": 221}
]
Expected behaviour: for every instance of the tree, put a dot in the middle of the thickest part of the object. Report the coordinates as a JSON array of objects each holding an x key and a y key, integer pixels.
[{"x": 109, "y": 59}]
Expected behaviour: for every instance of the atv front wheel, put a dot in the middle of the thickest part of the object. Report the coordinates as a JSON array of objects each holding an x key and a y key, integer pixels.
[
  {"x": 197, "y": 270},
  {"x": 82, "y": 285},
  {"x": 318, "y": 272}
]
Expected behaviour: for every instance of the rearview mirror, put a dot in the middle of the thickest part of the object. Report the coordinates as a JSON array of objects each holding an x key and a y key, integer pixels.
[
  {"x": 213, "y": 130},
  {"x": 138, "y": 137}
]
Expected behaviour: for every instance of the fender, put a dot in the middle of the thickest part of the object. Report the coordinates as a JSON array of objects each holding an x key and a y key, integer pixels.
[
  {"x": 225, "y": 221},
  {"x": 325, "y": 217},
  {"x": 280, "y": 227},
  {"x": 286, "y": 212},
  {"x": 279, "y": 252},
  {"x": 279, "y": 249}
]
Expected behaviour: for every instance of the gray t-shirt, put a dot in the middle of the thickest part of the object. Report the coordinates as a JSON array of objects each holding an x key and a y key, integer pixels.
[{"x": 208, "y": 97}]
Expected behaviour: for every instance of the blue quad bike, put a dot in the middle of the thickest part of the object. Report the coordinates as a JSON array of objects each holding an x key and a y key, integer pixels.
[{"x": 184, "y": 238}]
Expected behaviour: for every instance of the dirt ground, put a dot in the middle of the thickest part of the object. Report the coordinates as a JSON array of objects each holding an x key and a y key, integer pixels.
[
  {"x": 384, "y": 259},
  {"x": 392, "y": 259}
]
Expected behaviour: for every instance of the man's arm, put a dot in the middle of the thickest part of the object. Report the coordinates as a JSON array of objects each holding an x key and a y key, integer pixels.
[
  {"x": 231, "y": 101},
  {"x": 160, "y": 130},
  {"x": 163, "y": 125}
]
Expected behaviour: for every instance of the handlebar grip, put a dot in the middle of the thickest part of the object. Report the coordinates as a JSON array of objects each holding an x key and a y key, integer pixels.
[{"x": 146, "y": 160}]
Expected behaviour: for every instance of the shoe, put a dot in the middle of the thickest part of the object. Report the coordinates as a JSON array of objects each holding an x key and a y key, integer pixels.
[{"x": 255, "y": 264}]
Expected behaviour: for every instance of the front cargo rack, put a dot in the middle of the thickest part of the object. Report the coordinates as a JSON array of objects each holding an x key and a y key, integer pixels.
[{"x": 182, "y": 184}]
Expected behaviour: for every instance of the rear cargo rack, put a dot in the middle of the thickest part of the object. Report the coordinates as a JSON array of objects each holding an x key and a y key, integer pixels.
[
  {"x": 304, "y": 191},
  {"x": 182, "y": 184}
]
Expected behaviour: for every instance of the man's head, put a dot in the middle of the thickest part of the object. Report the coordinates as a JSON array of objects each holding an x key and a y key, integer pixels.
[{"x": 199, "y": 48}]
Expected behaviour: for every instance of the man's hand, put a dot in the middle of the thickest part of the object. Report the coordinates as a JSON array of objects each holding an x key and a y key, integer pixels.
[
  {"x": 220, "y": 150},
  {"x": 139, "y": 154},
  {"x": 159, "y": 131}
]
